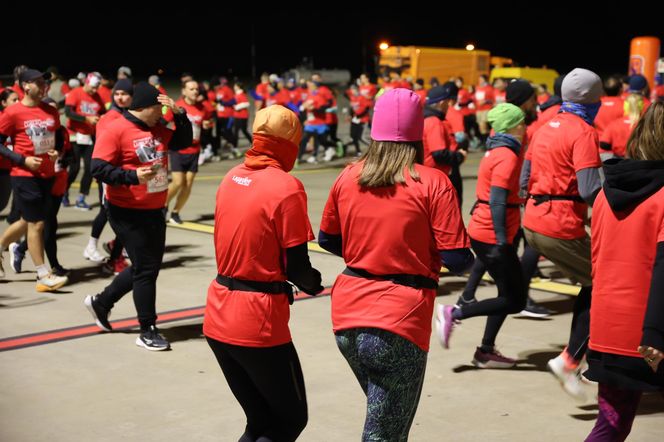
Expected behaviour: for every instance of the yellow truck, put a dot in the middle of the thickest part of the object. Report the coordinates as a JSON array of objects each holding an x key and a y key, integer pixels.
[{"x": 444, "y": 63}]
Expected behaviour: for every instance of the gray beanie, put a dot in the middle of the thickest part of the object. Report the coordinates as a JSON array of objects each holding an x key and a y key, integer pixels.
[{"x": 582, "y": 86}]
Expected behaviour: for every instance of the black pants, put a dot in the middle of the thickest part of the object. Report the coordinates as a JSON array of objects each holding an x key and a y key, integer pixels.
[
  {"x": 100, "y": 221},
  {"x": 457, "y": 183},
  {"x": 507, "y": 274},
  {"x": 224, "y": 132},
  {"x": 580, "y": 332},
  {"x": 318, "y": 140},
  {"x": 5, "y": 189},
  {"x": 268, "y": 384},
  {"x": 81, "y": 151},
  {"x": 356, "y": 130},
  {"x": 50, "y": 232},
  {"x": 143, "y": 232},
  {"x": 240, "y": 125}
]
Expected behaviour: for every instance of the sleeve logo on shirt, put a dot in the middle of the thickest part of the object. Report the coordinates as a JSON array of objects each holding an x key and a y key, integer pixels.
[
  {"x": 554, "y": 124},
  {"x": 242, "y": 181},
  {"x": 146, "y": 149}
]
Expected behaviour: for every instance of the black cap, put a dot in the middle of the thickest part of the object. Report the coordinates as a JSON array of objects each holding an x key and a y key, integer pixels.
[
  {"x": 145, "y": 95},
  {"x": 124, "y": 84},
  {"x": 30, "y": 75},
  {"x": 447, "y": 91},
  {"x": 518, "y": 92}
]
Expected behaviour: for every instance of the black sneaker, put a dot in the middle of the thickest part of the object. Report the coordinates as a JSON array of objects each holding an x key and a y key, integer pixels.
[
  {"x": 463, "y": 301},
  {"x": 152, "y": 340},
  {"x": 175, "y": 218},
  {"x": 99, "y": 313},
  {"x": 535, "y": 310},
  {"x": 60, "y": 271}
]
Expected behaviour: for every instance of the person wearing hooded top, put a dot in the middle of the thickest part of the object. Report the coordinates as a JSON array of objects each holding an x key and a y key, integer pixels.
[
  {"x": 612, "y": 103},
  {"x": 626, "y": 322},
  {"x": 131, "y": 159},
  {"x": 493, "y": 228},
  {"x": 383, "y": 301},
  {"x": 519, "y": 93},
  {"x": 122, "y": 94},
  {"x": 441, "y": 150},
  {"x": 550, "y": 107},
  {"x": 260, "y": 237},
  {"x": 563, "y": 182}
]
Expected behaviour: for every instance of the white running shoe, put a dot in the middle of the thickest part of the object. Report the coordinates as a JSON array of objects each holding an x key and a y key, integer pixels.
[
  {"x": 93, "y": 255},
  {"x": 330, "y": 153},
  {"x": 569, "y": 378},
  {"x": 51, "y": 282},
  {"x": 312, "y": 160}
]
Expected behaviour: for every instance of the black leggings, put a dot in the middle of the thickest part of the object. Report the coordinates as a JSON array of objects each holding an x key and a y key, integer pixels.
[
  {"x": 5, "y": 189},
  {"x": 580, "y": 332},
  {"x": 356, "y": 130},
  {"x": 268, "y": 384},
  {"x": 143, "y": 232},
  {"x": 240, "y": 125},
  {"x": 50, "y": 232},
  {"x": 508, "y": 276},
  {"x": 318, "y": 140},
  {"x": 81, "y": 151},
  {"x": 100, "y": 221},
  {"x": 224, "y": 132}
]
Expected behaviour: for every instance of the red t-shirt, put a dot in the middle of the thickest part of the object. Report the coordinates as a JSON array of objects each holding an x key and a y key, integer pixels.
[
  {"x": 241, "y": 114},
  {"x": 369, "y": 90},
  {"x": 617, "y": 134},
  {"x": 262, "y": 92},
  {"x": 423, "y": 96},
  {"x": 455, "y": 118},
  {"x": 32, "y": 130},
  {"x": 611, "y": 109},
  {"x": 5, "y": 163},
  {"x": 106, "y": 119},
  {"x": 60, "y": 182},
  {"x": 559, "y": 149},
  {"x": 623, "y": 254},
  {"x": 484, "y": 97},
  {"x": 106, "y": 95},
  {"x": 542, "y": 119},
  {"x": 500, "y": 96},
  {"x": 361, "y": 106},
  {"x": 500, "y": 167},
  {"x": 259, "y": 214},
  {"x": 388, "y": 230},
  {"x": 197, "y": 114},
  {"x": 543, "y": 98},
  {"x": 84, "y": 104},
  {"x": 224, "y": 93},
  {"x": 19, "y": 91},
  {"x": 437, "y": 136},
  {"x": 316, "y": 115},
  {"x": 127, "y": 145},
  {"x": 464, "y": 99}
]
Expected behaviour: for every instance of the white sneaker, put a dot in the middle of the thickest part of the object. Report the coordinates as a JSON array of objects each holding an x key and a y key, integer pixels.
[
  {"x": 312, "y": 160},
  {"x": 207, "y": 153},
  {"x": 201, "y": 159},
  {"x": 330, "y": 153},
  {"x": 570, "y": 379},
  {"x": 93, "y": 255},
  {"x": 51, "y": 282}
]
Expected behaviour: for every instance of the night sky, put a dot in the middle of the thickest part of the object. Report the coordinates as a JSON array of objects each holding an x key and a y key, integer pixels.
[{"x": 218, "y": 41}]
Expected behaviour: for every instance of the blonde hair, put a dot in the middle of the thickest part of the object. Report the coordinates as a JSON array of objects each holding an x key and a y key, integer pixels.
[
  {"x": 647, "y": 139},
  {"x": 384, "y": 163},
  {"x": 633, "y": 108}
]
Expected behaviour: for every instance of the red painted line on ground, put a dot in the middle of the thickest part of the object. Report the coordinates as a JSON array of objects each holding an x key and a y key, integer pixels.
[{"x": 53, "y": 336}]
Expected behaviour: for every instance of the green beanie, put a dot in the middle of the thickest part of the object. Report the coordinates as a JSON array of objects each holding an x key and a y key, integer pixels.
[{"x": 505, "y": 116}]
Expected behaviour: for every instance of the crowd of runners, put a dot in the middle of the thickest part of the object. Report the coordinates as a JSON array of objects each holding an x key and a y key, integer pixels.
[{"x": 393, "y": 215}]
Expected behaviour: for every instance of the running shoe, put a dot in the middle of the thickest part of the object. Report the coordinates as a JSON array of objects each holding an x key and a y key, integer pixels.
[
  {"x": 60, "y": 271},
  {"x": 99, "y": 313},
  {"x": 568, "y": 376},
  {"x": 92, "y": 254},
  {"x": 82, "y": 205},
  {"x": 535, "y": 310},
  {"x": 51, "y": 282},
  {"x": 65, "y": 201},
  {"x": 152, "y": 340},
  {"x": 444, "y": 324},
  {"x": 15, "y": 257},
  {"x": 175, "y": 218},
  {"x": 492, "y": 359}
]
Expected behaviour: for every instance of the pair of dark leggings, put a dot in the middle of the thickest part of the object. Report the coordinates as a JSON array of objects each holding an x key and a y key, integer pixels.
[
  {"x": 81, "y": 151},
  {"x": 318, "y": 140},
  {"x": 50, "y": 232},
  {"x": 390, "y": 370},
  {"x": 617, "y": 409},
  {"x": 240, "y": 125},
  {"x": 506, "y": 272},
  {"x": 100, "y": 221},
  {"x": 529, "y": 261},
  {"x": 5, "y": 188},
  {"x": 356, "y": 130},
  {"x": 143, "y": 232},
  {"x": 269, "y": 385}
]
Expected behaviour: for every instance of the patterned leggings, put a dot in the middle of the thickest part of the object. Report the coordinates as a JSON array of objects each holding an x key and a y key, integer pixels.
[
  {"x": 390, "y": 370},
  {"x": 617, "y": 409}
]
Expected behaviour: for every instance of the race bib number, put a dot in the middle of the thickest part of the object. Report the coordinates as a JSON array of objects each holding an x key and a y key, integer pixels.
[
  {"x": 355, "y": 120},
  {"x": 160, "y": 181},
  {"x": 196, "y": 130},
  {"x": 42, "y": 138},
  {"x": 310, "y": 116},
  {"x": 83, "y": 139}
]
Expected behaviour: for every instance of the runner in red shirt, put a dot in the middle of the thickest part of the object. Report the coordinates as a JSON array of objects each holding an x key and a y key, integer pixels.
[
  {"x": 184, "y": 162},
  {"x": 240, "y": 115},
  {"x": 612, "y": 104},
  {"x": 492, "y": 229},
  {"x": 360, "y": 115},
  {"x": 116, "y": 263},
  {"x": 225, "y": 99},
  {"x": 441, "y": 150},
  {"x": 499, "y": 90},
  {"x": 105, "y": 91},
  {"x": 367, "y": 88},
  {"x": 418, "y": 88},
  {"x": 613, "y": 141},
  {"x": 484, "y": 101},
  {"x": 315, "y": 125},
  {"x": 262, "y": 92},
  {"x": 260, "y": 237},
  {"x": 392, "y": 220},
  {"x": 564, "y": 180},
  {"x": 83, "y": 107},
  {"x": 7, "y": 98},
  {"x": 131, "y": 158},
  {"x": 549, "y": 108},
  {"x": 33, "y": 128},
  {"x": 626, "y": 323}
]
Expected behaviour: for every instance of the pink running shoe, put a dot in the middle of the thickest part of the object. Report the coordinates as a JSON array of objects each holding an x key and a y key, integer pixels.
[{"x": 444, "y": 324}]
